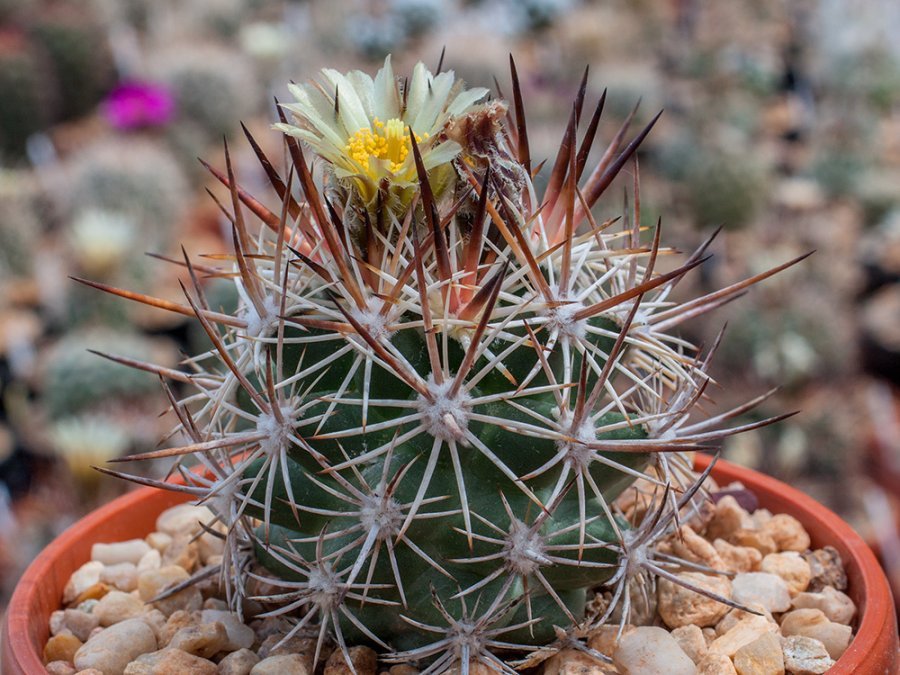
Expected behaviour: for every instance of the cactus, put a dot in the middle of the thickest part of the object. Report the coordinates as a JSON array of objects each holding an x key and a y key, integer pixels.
[
  {"x": 133, "y": 179},
  {"x": 27, "y": 93},
  {"x": 75, "y": 380},
  {"x": 438, "y": 382},
  {"x": 87, "y": 440},
  {"x": 78, "y": 49},
  {"x": 213, "y": 87},
  {"x": 20, "y": 223}
]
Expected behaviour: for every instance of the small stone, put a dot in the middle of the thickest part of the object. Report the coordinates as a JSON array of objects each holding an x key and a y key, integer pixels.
[
  {"x": 736, "y": 615},
  {"x": 737, "y": 558},
  {"x": 79, "y": 623},
  {"x": 564, "y": 662},
  {"x": 283, "y": 664},
  {"x": 83, "y": 578},
  {"x": 209, "y": 545},
  {"x": 56, "y": 621},
  {"x": 157, "y": 621},
  {"x": 153, "y": 582},
  {"x": 203, "y": 640},
  {"x": 691, "y": 640},
  {"x": 130, "y": 551},
  {"x": 152, "y": 560},
  {"x": 649, "y": 649},
  {"x": 183, "y": 552},
  {"x": 269, "y": 626},
  {"x": 813, "y": 623},
  {"x": 805, "y": 655},
  {"x": 791, "y": 567},
  {"x": 117, "y": 606},
  {"x": 742, "y": 633},
  {"x": 90, "y": 671},
  {"x": 760, "y": 657},
  {"x": 169, "y": 661},
  {"x": 111, "y": 650},
  {"x": 837, "y": 606},
  {"x": 403, "y": 669},
  {"x": 757, "y": 539},
  {"x": 159, "y": 540},
  {"x": 761, "y": 588},
  {"x": 690, "y": 546},
  {"x": 215, "y": 603},
  {"x": 715, "y": 664},
  {"x": 94, "y": 592},
  {"x": 679, "y": 606},
  {"x": 60, "y": 668},
  {"x": 760, "y": 517},
  {"x": 183, "y": 518},
  {"x": 364, "y": 660},
  {"x": 787, "y": 532},
  {"x": 122, "y": 576},
  {"x": 746, "y": 499},
  {"x": 827, "y": 569},
  {"x": 240, "y": 662},
  {"x": 87, "y": 606},
  {"x": 240, "y": 636},
  {"x": 605, "y": 638},
  {"x": 61, "y": 647},
  {"x": 728, "y": 518},
  {"x": 275, "y": 645},
  {"x": 178, "y": 620},
  {"x": 709, "y": 634}
]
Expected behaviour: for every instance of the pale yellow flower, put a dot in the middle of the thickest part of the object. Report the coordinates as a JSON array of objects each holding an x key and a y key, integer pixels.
[{"x": 361, "y": 125}]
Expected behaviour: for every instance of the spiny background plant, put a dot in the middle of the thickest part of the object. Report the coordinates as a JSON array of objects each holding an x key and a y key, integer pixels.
[{"x": 415, "y": 427}]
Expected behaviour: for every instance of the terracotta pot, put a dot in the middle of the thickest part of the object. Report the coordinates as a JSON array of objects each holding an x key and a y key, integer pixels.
[{"x": 874, "y": 650}]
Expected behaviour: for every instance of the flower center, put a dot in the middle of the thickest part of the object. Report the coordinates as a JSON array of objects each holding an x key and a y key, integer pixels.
[{"x": 386, "y": 141}]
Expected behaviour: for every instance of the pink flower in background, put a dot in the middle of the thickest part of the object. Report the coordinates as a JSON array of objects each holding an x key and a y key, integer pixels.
[{"x": 133, "y": 105}]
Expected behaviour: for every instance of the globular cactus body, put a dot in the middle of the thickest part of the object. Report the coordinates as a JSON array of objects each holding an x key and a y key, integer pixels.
[{"x": 438, "y": 381}]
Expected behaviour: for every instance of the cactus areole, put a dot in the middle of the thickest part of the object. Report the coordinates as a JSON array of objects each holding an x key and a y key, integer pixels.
[{"x": 415, "y": 428}]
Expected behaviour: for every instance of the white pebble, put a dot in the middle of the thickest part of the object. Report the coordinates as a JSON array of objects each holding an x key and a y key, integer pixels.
[
  {"x": 130, "y": 551},
  {"x": 183, "y": 518},
  {"x": 122, "y": 576},
  {"x": 152, "y": 560},
  {"x": 813, "y": 623},
  {"x": 805, "y": 655},
  {"x": 112, "y": 649},
  {"x": 82, "y": 579},
  {"x": 240, "y": 636},
  {"x": 837, "y": 606},
  {"x": 761, "y": 588},
  {"x": 648, "y": 649},
  {"x": 116, "y": 606}
]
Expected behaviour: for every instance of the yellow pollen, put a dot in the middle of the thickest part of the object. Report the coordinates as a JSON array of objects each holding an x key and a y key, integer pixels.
[{"x": 383, "y": 140}]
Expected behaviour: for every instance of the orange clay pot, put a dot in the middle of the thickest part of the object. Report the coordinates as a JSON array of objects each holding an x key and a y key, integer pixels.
[{"x": 874, "y": 649}]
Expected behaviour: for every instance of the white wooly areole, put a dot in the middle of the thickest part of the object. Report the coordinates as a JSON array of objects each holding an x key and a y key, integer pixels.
[{"x": 415, "y": 428}]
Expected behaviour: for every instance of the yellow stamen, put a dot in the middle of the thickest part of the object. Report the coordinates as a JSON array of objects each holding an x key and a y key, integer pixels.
[{"x": 385, "y": 141}]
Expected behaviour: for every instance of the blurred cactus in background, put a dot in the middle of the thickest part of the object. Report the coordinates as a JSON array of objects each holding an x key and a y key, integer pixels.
[
  {"x": 74, "y": 380},
  {"x": 28, "y": 93},
  {"x": 132, "y": 177},
  {"x": 20, "y": 223},
  {"x": 212, "y": 86},
  {"x": 75, "y": 43},
  {"x": 86, "y": 441}
]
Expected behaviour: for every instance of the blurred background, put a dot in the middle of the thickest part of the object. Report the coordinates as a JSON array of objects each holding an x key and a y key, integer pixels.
[{"x": 781, "y": 124}]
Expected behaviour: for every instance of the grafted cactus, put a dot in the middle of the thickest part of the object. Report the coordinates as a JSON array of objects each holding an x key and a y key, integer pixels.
[{"x": 416, "y": 426}]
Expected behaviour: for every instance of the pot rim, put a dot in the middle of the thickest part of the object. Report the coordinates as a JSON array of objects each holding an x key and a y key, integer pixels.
[{"x": 873, "y": 649}]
